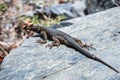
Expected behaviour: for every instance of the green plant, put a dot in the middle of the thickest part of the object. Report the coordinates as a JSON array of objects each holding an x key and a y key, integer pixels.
[
  {"x": 3, "y": 7},
  {"x": 60, "y": 17},
  {"x": 35, "y": 20},
  {"x": 46, "y": 22}
]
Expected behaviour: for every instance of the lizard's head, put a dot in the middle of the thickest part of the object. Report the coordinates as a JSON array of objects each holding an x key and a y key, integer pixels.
[{"x": 34, "y": 28}]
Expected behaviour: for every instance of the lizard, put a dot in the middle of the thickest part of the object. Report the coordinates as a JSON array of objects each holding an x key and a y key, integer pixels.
[{"x": 58, "y": 37}]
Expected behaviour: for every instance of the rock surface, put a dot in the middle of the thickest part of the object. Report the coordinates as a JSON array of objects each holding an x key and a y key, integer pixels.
[{"x": 33, "y": 61}]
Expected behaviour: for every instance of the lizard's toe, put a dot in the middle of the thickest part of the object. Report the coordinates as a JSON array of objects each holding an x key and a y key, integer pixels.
[
  {"x": 50, "y": 46},
  {"x": 40, "y": 41}
]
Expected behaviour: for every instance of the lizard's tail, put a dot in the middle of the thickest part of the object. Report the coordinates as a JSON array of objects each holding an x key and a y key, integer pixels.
[
  {"x": 99, "y": 60},
  {"x": 91, "y": 56},
  {"x": 88, "y": 54}
]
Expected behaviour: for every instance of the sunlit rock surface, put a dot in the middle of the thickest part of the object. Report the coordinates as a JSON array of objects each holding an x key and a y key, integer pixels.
[{"x": 33, "y": 61}]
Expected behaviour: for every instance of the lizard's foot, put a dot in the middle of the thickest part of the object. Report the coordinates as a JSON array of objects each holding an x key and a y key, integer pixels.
[
  {"x": 41, "y": 41},
  {"x": 91, "y": 46},
  {"x": 52, "y": 45},
  {"x": 88, "y": 46}
]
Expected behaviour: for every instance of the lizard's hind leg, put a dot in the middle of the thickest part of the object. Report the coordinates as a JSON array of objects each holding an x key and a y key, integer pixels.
[{"x": 83, "y": 45}]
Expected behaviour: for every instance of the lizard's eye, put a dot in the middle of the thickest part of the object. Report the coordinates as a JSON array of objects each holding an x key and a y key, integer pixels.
[{"x": 38, "y": 28}]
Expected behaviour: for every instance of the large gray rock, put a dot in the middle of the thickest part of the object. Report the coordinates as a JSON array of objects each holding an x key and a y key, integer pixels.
[{"x": 33, "y": 61}]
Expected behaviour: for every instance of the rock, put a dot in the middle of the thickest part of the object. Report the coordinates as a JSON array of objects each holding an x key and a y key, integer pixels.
[
  {"x": 78, "y": 7},
  {"x": 114, "y": 77},
  {"x": 69, "y": 9},
  {"x": 100, "y": 5},
  {"x": 33, "y": 61}
]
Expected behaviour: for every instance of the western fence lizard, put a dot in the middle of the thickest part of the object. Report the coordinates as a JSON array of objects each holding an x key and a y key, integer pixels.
[{"x": 60, "y": 37}]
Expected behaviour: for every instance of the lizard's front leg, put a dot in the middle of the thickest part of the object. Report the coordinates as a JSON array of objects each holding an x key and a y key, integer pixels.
[
  {"x": 57, "y": 41},
  {"x": 44, "y": 40}
]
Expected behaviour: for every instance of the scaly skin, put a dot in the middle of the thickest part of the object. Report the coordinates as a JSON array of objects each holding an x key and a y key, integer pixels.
[{"x": 60, "y": 37}]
